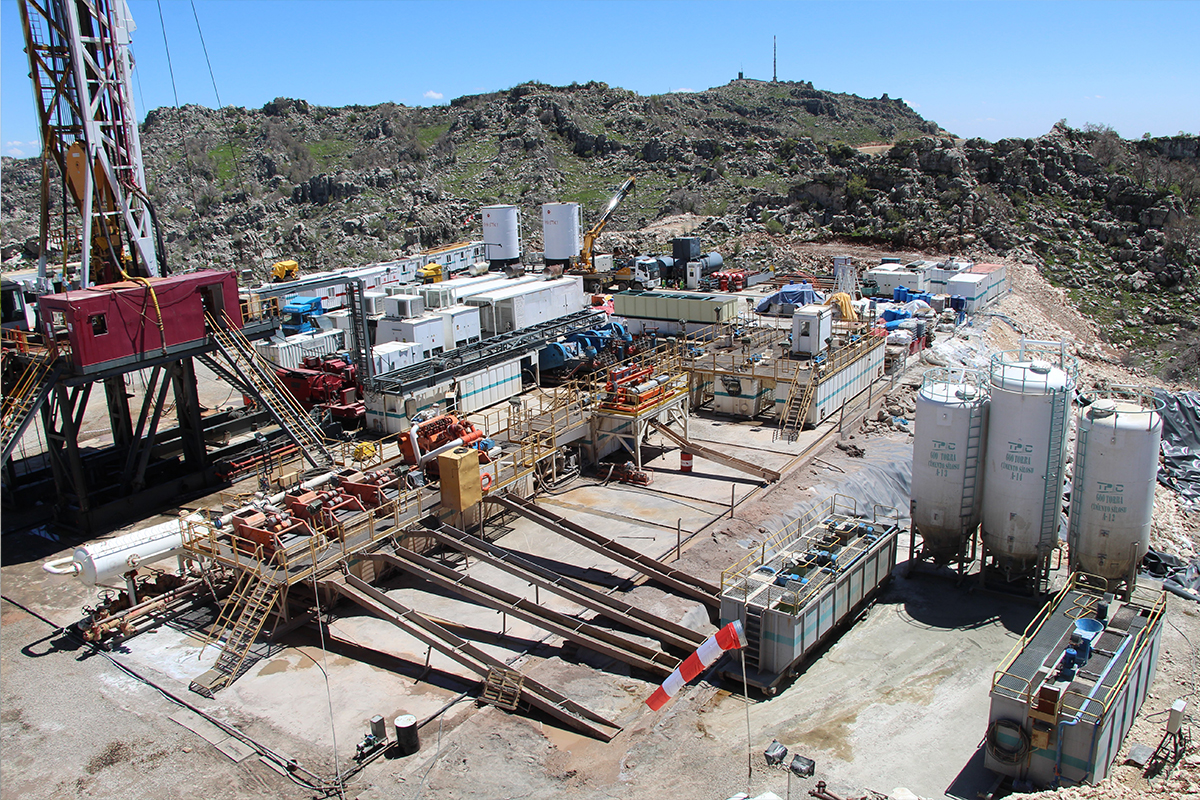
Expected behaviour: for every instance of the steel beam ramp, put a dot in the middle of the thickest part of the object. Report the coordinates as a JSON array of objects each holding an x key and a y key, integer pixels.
[
  {"x": 423, "y": 629},
  {"x": 600, "y": 640},
  {"x": 671, "y": 634},
  {"x": 259, "y": 377},
  {"x": 255, "y": 597},
  {"x": 766, "y": 473},
  {"x": 26, "y": 396},
  {"x": 661, "y": 573}
]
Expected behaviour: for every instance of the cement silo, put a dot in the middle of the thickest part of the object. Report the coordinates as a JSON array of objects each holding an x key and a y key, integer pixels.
[
  {"x": 502, "y": 235},
  {"x": 950, "y": 438},
  {"x": 561, "y": 234},
  {"x": 1112, "y": 491},
  {"x": 1031, "y": 391}
]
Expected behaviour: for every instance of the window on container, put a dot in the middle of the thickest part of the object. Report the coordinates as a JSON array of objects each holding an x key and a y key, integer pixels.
[{"x": 98, "y": 324}]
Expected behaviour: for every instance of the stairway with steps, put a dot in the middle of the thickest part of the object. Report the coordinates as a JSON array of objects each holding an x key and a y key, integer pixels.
[
  {"x": 29, "y": 390},
  {"x": 795, "y": 410},
  {"x": 259, "y": 377},
  {"x": 251, "y": 602}
]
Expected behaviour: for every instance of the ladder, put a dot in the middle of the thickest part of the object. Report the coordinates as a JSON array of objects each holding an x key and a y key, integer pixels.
[
  {"x": 259, "y": 377},
  {"x": 795, "y": 409},
  {"x": 1051, "y": 501},
  {"x": 972, "y": 456},
  {"x": 23, "y": 399},
  {"x": 254, "y": 597},
  {"x": 360, "y": 344},
  {"x": 753, "y": 635}
]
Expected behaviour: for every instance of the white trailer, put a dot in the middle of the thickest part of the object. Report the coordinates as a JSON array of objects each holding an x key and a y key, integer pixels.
[
  {"x": 391, "y": 356},
  {"x": 290, "y": 352},
  {"x": 426, "y": 330},
  {"x": 461, "y": 325},
  {"x": 519, "y": 307}
]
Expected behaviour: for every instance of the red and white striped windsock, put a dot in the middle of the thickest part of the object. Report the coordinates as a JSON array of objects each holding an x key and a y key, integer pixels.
[{"x": 731, "y": 637}]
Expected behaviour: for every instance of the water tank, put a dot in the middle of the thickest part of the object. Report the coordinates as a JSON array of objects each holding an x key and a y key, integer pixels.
[
  {"x": 1112, "y": 490},
  {"x": 950, "y": 436},
  {"x": 561, "y": 231},
  {"x": 501, "y": 232},
  {"x": 1023, "y": 475}
]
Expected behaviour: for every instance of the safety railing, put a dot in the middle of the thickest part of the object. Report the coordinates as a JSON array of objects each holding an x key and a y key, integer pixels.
[
  {"x": 838, "y": 504},
  {"x": 1090, "y": 708}
]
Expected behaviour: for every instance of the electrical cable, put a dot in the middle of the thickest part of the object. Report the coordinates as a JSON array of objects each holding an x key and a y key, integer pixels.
[
  {"x": 1007, "y": 755},
  {"x": 337, "y": 770},
  {"x": 182, "y": 138},
  {"x": 289, "y": 766}
]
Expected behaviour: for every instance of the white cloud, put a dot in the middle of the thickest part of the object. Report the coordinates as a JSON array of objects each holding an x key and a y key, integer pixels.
[
  {"x": 681, "y": 91},
  {"x": 21, "y": 149},
  {"x": 432, "y": 95}
]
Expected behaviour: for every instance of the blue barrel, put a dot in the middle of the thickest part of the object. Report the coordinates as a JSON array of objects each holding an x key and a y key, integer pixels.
[
  {"x": 958, "y": 302},
  {"x": 899, "y": 295}
]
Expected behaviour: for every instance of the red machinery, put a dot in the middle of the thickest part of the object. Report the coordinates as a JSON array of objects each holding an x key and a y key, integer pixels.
[
  {"x": 331, "y": 384},
  {"x": 373, "y": 488},
  {"x": 427, "y": 437},
  {"x": 322, "y": 509},
  {"x": 632, "y": 389},
  {"x": 273, "y": 530}
]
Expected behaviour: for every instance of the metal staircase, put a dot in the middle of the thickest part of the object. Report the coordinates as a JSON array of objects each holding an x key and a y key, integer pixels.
[
  {"x": 1052, "y": 500},
  {"x": 795, "y": 410},
  {"x": 259, "y": 377},
  {"x": 360, "y": 344},
  {"x": 251, "y": 602},
  {"x": 23, "y": 399}
]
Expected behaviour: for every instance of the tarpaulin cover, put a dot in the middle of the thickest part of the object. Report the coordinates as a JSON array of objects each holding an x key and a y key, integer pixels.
[
  {"x": 1180, "y": 468},
  {"x": 1178, "y": 576},
  {"x": 798, "y": 294}
]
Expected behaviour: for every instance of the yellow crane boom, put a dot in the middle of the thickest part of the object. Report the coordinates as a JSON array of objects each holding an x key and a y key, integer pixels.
[{"x": 585, "y": 263}]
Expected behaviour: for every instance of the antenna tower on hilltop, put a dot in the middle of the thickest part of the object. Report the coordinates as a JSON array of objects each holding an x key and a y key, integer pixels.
[{"x": 774, "y": 61}]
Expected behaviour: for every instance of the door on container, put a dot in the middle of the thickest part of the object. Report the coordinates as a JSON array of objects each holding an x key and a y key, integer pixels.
[{"x": 212, "y": 298}]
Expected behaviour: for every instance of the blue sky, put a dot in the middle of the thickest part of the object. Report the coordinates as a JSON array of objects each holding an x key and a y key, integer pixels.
[{"x": 977, "y": 68}]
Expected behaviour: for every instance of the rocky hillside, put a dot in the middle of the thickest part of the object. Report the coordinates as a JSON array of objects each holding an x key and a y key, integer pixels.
[{"x": 763, "y": 166}]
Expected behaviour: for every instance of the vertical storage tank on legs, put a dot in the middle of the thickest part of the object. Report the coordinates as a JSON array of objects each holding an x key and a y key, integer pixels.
[
  {"x": 1031, "y": 391},
  {"x": 950, "y": 439},
  {"x": 502, "y": 235},
  {"x": 1112, "y": 491}
]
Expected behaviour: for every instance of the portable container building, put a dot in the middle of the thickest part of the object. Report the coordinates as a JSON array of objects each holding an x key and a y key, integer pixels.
[
  {"x": 453, "y": 292},
  {"x": 426, "y": 330},
  {"x": 972, "y": 287},
  {"x": 290, "y": 352},
  {"x": 391, "y": 356},
  {"x": 742, "y": 397},
  {"x": 844, "y": 384},
  {"x": 523, "y": 306},
  {"x": 1063, "y": 701},
  {"x": 942, "y": 272},
  {"x": 123, "y": 323},
  {"x": 997, "y": 282},
  {"x": 403, "y": 306},
  {"x": 665, "y": 310},
  {"x": 890, "y": 277},
  {"x": 812, "y": 328},
  {"x": 803, "y": 586},
  {"x": 492, "y": 385},
  {"x": 461, "y": 325}
]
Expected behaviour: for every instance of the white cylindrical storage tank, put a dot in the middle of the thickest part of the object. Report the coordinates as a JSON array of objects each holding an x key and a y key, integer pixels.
[
  {"x": 97, "y": 563},
  {"x": 1023, "y": 475},
  {"x": 1112, "y": 491},
  {"x": 950, "y": 438},
  {"x": 561, "y": 235},
  {"x": 502, "y": 233}
]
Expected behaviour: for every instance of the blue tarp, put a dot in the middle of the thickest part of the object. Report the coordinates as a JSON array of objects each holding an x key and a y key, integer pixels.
[{"x": 797, "y": 294}]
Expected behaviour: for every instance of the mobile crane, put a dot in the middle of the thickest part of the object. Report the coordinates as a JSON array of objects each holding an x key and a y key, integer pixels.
[{"x": 636, "y": 275}]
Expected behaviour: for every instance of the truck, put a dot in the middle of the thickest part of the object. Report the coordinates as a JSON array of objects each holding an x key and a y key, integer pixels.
[
  {"x": 598, "y": 272},
  {"x": 298, "y": 315},
  {"x": 431, "y": 273}
]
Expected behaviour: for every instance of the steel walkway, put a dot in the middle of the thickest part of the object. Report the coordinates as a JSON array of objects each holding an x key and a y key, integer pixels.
[
  {"x": 422, "y": 628},
  {"x": 661, "y": 573}
]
